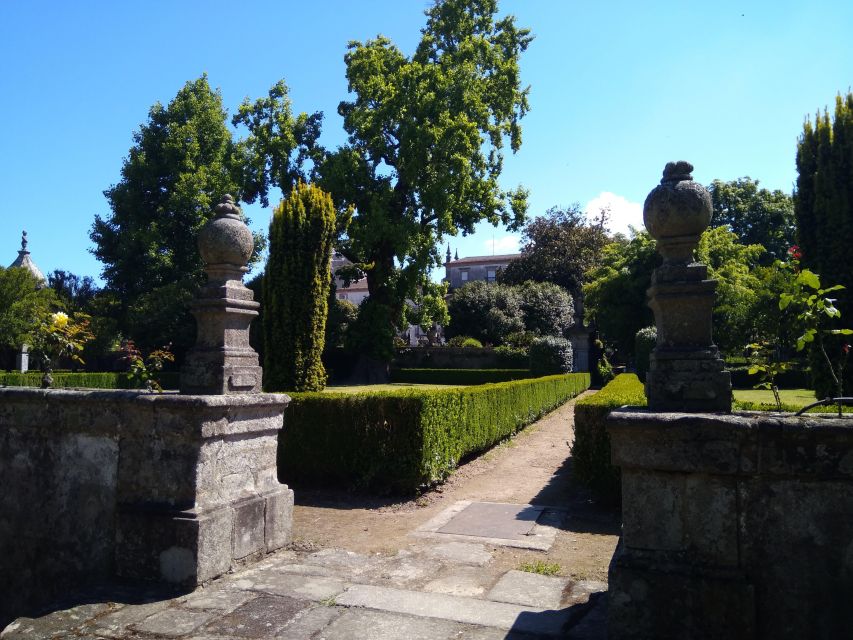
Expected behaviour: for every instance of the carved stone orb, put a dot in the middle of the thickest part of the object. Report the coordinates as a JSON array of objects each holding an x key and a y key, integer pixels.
[
  {"x": 676, "y": 212},
  {"x": 226, "y": 239}
]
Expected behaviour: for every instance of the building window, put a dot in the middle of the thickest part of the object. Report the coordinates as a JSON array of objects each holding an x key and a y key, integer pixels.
[
  {"x": 463, "y": 275},
  {"x": 491, "y": 274}
]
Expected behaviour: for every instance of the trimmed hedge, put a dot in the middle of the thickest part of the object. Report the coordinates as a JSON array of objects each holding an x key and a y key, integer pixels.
[
  {"x": 400, "y": 441},
  {"x": 104, "y": 380},
  {"x": 591, "y": 446},
  {"x": 791, "y": 379},
  {"x": 458, "y": 376}
]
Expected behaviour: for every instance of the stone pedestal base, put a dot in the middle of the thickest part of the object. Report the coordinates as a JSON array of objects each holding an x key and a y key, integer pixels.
[
  {"x": 199, "y": 494},
  {"x": 688, "y": 381},
  {"x": 734, "y": 526},
  {"x": 191, "y": 547}
]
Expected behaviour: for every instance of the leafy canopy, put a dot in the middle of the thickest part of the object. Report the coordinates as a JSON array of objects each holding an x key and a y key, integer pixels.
[
  {"x": 425, "y": 147},
  {"x": 23, "y": 302},
  {"x": 756, "y": 216},
  {"x": 560, "y": 247}
]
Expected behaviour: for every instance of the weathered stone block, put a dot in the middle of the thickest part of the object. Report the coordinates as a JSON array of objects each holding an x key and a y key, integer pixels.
[
  {"x": 278, "y": 519},
  {"x": 249, "y": 523},
  {"x": 742, "y": 523}
]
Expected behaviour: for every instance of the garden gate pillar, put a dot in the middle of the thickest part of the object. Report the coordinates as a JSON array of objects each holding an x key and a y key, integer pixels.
[{"x": 198, "y": 489}]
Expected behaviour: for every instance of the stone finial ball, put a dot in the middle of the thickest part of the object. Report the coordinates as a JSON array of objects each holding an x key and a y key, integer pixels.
[
  {"x": 677, "y": 207},
  {"x": 226, "y": 239}
]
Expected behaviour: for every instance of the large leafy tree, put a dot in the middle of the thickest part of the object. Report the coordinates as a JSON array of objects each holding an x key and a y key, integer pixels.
[
  {"x": 560, "y": 247},
  {"x": 183, "y": 160},
  {"x": 756, "y": 216},
  {"x": 425, "y": 150},
  {"x": 823, "y": 205}
]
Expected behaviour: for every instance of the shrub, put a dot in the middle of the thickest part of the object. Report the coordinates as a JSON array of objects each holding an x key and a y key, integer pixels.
[
  {"x": 644, "y": 344},
  {"x": 512, "y": 357},
  {"x": 296, "y": 287},
  {"x": 466, "y": 342},
  {"x": 591, "y": 446},
  {"x": 550, "y": 355},
  {"x": 457, "y": 376},
  {"x": 403, "y": 440},
  {"x": 107, "y": 380}
]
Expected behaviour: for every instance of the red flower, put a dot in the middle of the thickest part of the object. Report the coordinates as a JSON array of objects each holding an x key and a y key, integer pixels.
[
  {"x": 846, "y": 348},
  {"x": 795, "y": 252}
]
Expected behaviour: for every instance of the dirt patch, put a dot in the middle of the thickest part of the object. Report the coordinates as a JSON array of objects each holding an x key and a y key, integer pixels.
[{"x": 534, "y": 467}]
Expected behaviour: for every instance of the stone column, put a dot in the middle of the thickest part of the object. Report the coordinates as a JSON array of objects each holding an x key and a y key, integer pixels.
[
  {"x": 22, "y": 359},
  {"x": 198, "y": 490},
  {"x": 223, "y": 361},
  {"x": 686, "y": 372}
]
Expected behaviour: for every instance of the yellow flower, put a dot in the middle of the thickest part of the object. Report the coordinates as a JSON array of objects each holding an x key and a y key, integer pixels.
[{"x": 60, "y": 320}]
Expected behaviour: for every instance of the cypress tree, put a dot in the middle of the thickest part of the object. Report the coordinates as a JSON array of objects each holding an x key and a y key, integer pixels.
[
  {"x": 296, "y": 290},
  {"x": 823, "y": 206}
]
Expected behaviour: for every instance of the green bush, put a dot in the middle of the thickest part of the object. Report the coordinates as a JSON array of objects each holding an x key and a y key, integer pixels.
[
  {"x": 644, "y": 344},
  {"x": 107, "y": 380},
  {"x": 457, "y": 376},
  {"x": 513, "y": 357},
  {"x": 550, "y": 355},
  {"x": 591, "y": 446},
  {"x": 465, "y": 341},
  {"x": 401, "y": 441}
]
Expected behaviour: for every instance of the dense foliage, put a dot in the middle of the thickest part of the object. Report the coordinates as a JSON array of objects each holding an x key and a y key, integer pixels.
[
  {"x": 645, "y": 341},
  {"x": 591, "y": 445},
  {"x": 405, "y": 440},
  {"x": 615, "y": 291},
  {"x": 22, "y": 303},
  {"x": 425, "y": 151},
  {"x": 823, "y": 205},
  {"x": 492, "y": 312},
  {"x": 559, "y": 247},
  {"x": 550, "y": 355},
  {"x": 296, "y": 287},
  {"x": 756, "y": 216},
  {"x": 109, "y": 380},
  {"x": 457, "y": 376}
]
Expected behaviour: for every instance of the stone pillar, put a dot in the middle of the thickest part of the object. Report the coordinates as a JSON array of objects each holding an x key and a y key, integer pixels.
[
  {"x": 223, "y": 361},
  {"x": 22, "y": 359},
  {"x": 686, "y": 372},
  {"x": 198, "y": 490}
]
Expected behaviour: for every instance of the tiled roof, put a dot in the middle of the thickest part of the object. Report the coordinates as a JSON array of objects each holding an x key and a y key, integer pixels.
[{"x": 484, "y": 259}]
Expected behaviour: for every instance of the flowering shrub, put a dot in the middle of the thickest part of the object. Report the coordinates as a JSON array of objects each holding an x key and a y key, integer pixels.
[
  {"x": 57, "y": 335},
  {"x": 144, "y": 370}
]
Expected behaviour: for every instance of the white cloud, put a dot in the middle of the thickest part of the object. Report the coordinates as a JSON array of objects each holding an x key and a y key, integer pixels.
[
  {"x": 505, "y": 244},
  {"x": 623, "y": 212}
]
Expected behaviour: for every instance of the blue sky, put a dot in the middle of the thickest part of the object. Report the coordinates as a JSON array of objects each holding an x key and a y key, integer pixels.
[{"x": 617, "y": 90}]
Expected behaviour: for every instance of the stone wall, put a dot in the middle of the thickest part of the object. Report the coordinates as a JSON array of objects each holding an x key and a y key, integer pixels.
[
  {"x": 734, "y": 526},
  {"x": 161, "y": 487}
]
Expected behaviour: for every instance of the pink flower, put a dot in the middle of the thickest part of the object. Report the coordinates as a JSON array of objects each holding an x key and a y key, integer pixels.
[{"x": 795, "y": 253}]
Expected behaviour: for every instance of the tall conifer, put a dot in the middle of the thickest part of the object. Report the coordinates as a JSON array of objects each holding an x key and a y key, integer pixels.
[{"x": 296, "y": 290}]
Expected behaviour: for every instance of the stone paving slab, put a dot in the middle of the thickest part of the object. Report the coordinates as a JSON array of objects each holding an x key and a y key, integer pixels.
[
  {"x": 539, "y": 537},
  {"x": 173, "y": 623},
  {"x": 276, "y": 582},
  {"x": 259, "y": 619},
  {"x": 494, "y": 520},
  {"x": 459, "y": 609},
  {"x": 363, "y": 624},
  {"x": 531, "y": 589}
]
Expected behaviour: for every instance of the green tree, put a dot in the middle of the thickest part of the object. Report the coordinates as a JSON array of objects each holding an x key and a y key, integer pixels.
[
  {"x": 487, "y": 311},
  {"x": 733, "y": 266},
  {"x": 756, "y": 216},
  {"x": 425, "y": 151},
  {"x": 823, "y": 202},
  {"x": 22, "y": 303},
  {"x": 74, "y": 292},
  {"x": 560, "y": 247},
  {"x": 547, "y": 308},
  {"x": 615, "y": 290},
  {"x": 296, "y": 290}
]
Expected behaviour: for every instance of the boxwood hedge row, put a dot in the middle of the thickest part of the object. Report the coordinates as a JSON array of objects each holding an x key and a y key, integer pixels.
[
  {"x": 400, "y": 441},
  {"x": 591, "y": 446},
  {"x": 458, "y": 376},
  {"x": 103, "y": 380}
]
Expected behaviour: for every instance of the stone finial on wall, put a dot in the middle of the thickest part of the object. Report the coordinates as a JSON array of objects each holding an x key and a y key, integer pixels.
[
  {"x": 686, "y": 372},
  {"x": 222, "y": 360}
]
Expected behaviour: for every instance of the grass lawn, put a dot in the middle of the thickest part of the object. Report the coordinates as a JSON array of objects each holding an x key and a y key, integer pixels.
[
  {"x": 793, "y": 397},
  {"x": 394, "y": 386}
]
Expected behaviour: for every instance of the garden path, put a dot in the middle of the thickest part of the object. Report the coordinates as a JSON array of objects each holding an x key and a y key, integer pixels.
[{"x": 365, "y": 568}]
